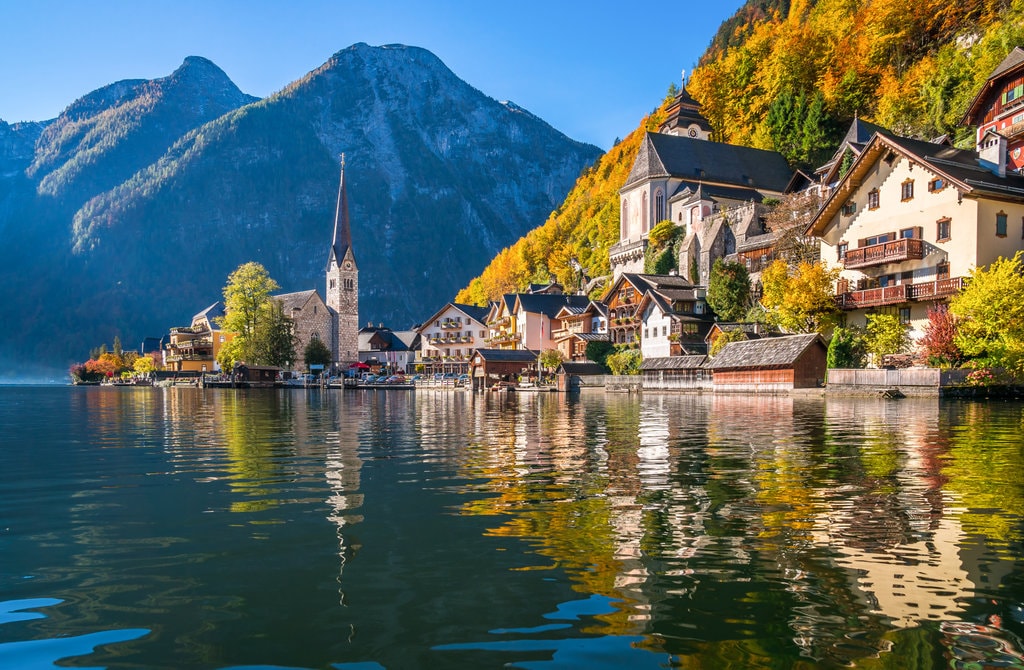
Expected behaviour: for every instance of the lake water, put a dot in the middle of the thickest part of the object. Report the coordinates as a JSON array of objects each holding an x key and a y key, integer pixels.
[{"x": 182, "y": 528}]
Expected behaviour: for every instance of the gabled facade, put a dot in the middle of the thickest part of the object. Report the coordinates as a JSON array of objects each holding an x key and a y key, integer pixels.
[
  {"x": 998, "y": 108},
  {"x": 573, "y": 328},
  {"x": 311, "y": 319},
  {"x": 380, "y": 346},
  {"x": 502, "y": 327},
  {"x": 536, "y": 314},
  {"x": 450, "y": 335},
  {"x": 909, "y": 222},
  {"x": 674, "y": 317},
  {"x": 194, "y": 348},
  {"x": 669, "y": 309},
  {"x": 771, "y": 364}
]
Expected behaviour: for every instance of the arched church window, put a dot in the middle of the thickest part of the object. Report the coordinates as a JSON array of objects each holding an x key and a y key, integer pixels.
[{"x": 659, "y": 206}]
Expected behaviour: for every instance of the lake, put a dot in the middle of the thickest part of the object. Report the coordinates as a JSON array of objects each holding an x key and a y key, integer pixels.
[{"x": 187, "y": 528}]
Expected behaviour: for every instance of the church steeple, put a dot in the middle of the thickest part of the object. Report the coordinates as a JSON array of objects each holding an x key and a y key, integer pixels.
[
  {"x": 341, "y": 243},
  {"x": 343, "y": 282}
]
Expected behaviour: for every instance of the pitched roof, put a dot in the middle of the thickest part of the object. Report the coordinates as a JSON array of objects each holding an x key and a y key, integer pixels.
[
  {"x": 214, "y": 311},
  {"x": 674, "y": 363},
  {"x": 699, "y": 191},
  {"x": 581, "y": 368},
  {"x": 764, "y": 353},
  {"x": 549, "y": 304},
  {"x": 959, "y": 166},
  {"x": 297, "y": 300},
  {"x": 1013, "y": 61},
  {"x": 390, "y": 339},
  {"x": 716, "y": 162},
  {"x": 507, "y": 355},
  {"x": 478, "y": 314}
]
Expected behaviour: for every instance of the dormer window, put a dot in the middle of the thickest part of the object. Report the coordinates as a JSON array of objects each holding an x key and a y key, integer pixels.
[
  {"x": 873, "y": 199},
  {"x": 907, "y": 190}
]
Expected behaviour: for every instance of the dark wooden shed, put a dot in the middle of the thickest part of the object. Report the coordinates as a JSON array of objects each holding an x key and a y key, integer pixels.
[{"x": 770, "y": 364}]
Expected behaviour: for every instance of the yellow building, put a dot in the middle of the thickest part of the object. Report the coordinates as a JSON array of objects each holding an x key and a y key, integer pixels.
[
  {"x": 910, "y": 220},
  {"x": 194, "y": 348}
]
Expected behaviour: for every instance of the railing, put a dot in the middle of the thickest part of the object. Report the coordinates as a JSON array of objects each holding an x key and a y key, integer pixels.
[
  {"x": 874, "y": 297},
  {"x": 904, "y": 249},
  {"x": 940, "y": 288},
  {"x": 173, "y": 358},
  {"x": 900, "y": 293},
  {"x": 451, "y": 324},
  {"x": 636, "y": 246}
]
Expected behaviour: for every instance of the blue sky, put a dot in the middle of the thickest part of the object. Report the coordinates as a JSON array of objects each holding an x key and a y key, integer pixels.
[{"x": 591, "y": 70}]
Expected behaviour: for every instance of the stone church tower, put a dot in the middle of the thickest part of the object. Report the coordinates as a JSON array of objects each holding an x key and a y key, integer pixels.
[{"x": 343, "y": 282}]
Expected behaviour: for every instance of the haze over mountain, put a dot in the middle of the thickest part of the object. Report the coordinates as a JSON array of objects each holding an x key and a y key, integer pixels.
[{"x": 126, "y": 213}]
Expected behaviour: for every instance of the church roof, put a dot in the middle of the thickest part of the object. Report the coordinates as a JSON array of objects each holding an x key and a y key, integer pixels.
[
  {"x": 297, "y": 300},
  {"x": 683, "y": 112},
  {"x": 341, "y": 241},
  {"x": 662, "y": 156}
]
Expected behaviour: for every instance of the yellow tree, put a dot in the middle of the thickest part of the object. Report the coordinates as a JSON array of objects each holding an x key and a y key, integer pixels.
[
  {"x": 990, "y": 314},
  {"x": 802, "y": 300}
]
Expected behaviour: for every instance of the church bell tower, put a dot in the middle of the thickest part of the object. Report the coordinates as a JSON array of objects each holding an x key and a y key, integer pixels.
[{"x": 343, "y": 282}]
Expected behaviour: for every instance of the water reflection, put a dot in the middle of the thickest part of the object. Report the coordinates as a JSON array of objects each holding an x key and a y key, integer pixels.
[{"x": 438, "y": 529}]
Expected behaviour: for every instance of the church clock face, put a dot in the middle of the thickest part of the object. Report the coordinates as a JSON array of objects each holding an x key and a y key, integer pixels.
[
  {"x": 693, "y": 132},
  {"x": 348, "y": 265}
]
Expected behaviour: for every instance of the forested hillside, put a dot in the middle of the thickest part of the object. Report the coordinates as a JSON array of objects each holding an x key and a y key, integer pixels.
[{"x": 790, "y": 76}]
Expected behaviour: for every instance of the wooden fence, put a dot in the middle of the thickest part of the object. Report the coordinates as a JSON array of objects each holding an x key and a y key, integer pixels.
[{"x": 903, "y": 378}]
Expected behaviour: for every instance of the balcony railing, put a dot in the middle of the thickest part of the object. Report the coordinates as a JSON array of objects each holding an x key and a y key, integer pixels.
[
  {"x": 940, "y": 288},
  {"x": 905, "y": 249},
  {"x": 900, "y": 293}
]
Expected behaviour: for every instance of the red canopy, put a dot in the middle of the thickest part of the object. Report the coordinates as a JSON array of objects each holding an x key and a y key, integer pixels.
[{"x": 360, "y": 366}]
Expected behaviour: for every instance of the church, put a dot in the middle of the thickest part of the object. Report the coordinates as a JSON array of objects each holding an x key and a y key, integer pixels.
[
  {"x": 711, "y": 189},
  {"x": 334, "y": 320}
]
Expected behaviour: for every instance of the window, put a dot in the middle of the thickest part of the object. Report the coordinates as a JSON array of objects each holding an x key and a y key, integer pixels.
[
  {"x": 664, "y": 331},
  {"x": 841, "y": 250},
  {"x": 624, "y": 227},
  {"x": 942, "y": 270},
  {"x": 877, "y": 239},
  {"x": 643, "y": 213},
  {"x": 334, "y": 283},
  {"x": 942, "y": 230},
  {"x": 907, "y": 277},
  {"x": 349, "y": 284},
  {"x": 1001, "y": 224},
  {"x": 907, "y": 190},
  {"x": 689, "y": 329},
  {"x": 910, "y": 233},
  {"x": 873, "y": 199},
  {"x": 904, "y": 315},
  {"x": 850, "y": 208},
  {"x": 936, "y": 184},
  {"x": 659, "y": 206},
  {"x": 645, "y": 332}
]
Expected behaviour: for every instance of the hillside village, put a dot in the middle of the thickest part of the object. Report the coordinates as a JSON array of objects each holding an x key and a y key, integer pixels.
[{"x": 898, "y": 224}]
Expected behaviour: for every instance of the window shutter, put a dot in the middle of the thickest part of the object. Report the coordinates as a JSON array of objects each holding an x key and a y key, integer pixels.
[{"x": 918, "y": 232}]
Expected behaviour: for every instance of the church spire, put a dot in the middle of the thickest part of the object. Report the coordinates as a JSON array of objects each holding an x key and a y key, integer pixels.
[{"x": 341, "y": 243}]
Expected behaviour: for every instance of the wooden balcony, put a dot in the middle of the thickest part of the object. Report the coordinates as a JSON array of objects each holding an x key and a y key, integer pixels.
[
  {"x": 900, "y": 293},
  {"x": 932, "y": 290},
  {"x": 874, "y": 297},
  {"x": 896, "y": 251}
]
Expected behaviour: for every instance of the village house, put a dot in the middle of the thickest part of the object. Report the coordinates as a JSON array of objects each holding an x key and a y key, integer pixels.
[
  {"x": 908, "y": 223},
  {"x": 575, "y": 327},
  {"x": 663, "y": 315},
  {"x": 530, "y": 320},
  {"x": 910, "y": 220},
  {"x": 194, "y": 348},
  {"x": 383, "y": 348},
  {"x": 449, "y": 336}
]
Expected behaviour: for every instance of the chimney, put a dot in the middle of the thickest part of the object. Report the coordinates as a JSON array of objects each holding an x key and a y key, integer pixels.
[{"x": 992, "y": 153}]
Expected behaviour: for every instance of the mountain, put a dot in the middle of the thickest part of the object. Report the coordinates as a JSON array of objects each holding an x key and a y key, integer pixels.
[{"x": 143, "y": 196}]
